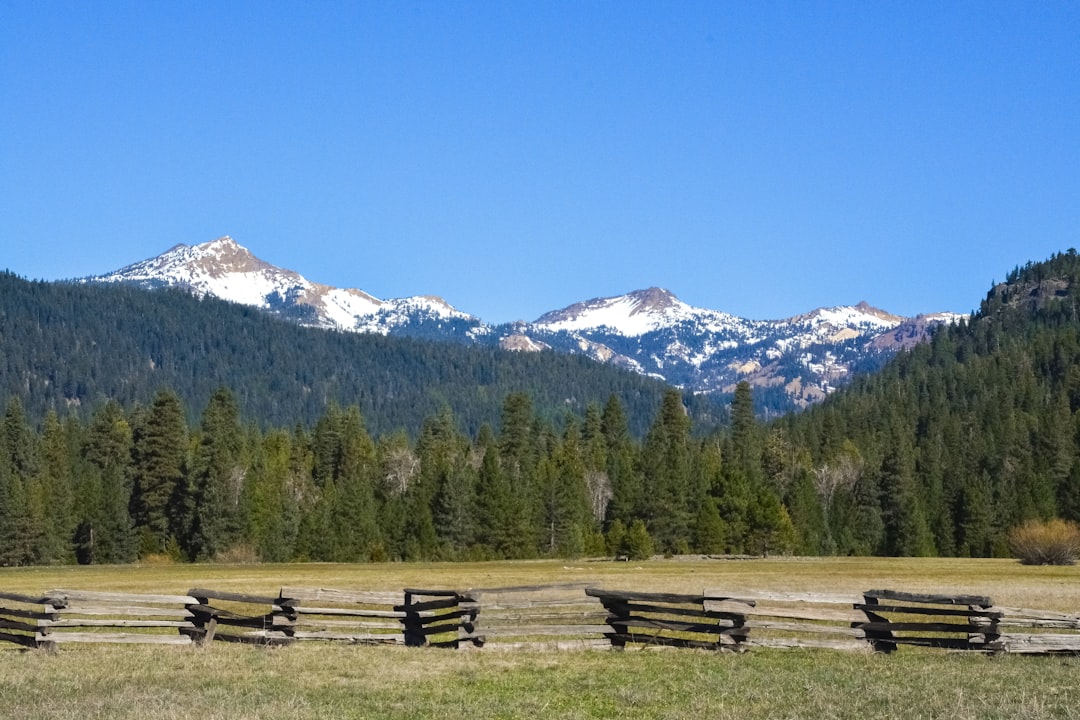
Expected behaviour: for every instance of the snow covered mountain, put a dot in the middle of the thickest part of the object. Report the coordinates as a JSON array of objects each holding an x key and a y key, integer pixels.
[
  {"x": 792, "y": 362},
  {"x": 224, "y": 269},
  {"x": 801, "y": 359}
]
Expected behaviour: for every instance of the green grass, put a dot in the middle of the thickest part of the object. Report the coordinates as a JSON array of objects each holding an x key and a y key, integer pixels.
[
  {"x": 333, "y": 681},
  {"x": 320, "y": 680}
]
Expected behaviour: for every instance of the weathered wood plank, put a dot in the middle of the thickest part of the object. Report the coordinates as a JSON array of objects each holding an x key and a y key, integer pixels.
[
  {"x": 553, "y": 644},
  {"x": 810, "y": 643},
  {"x": 432, "y": 593},
  {"x": 753, "y": 596},
  {"x": 16, "y": 625},
  {"x": 540, "y": 618},
  {"x": 119, "y": 610},
  {"x": 202, "y": 595},
  {"x": 629, "y": 596},
  {"x": 358, "y": 597},
  {"x": 123, "y": 598},
  {"x": 920, "y": 627},
  {"x": 1011, "y": 615},
  {"x": 1037, "y": 643},
  {"x": 538, "y": 630},
  {"x": 308, "y": 622},
  {"x": 569, "y": 589},
  {"x": 976, "y": 600},
  {"x": 1035, "y": 623},
  {"x": 829, "y": 614},
  {"x": 359, "y": 638},
  {"x": 231, "y": 619},
  {"x": 918, "y": 610},
  {"x": 631, "y": 608},
  {"x": 129, "y": 638},
  {"x": 755, "y": 625},
  {"x": 115, "y": 623},
  {"x": 29, "y": 614},
  {"x": 27, "y": 599},
  {"x": 489, "y": 604},
  {"x": 428, "y": 630},
  {"x": 349, "y": 612},
  {"x": 664, "y": 641},
  {"x": 721, "y": 626},
  {"x": 209, "y": 631},
  {"x": 428, "y": 605}
]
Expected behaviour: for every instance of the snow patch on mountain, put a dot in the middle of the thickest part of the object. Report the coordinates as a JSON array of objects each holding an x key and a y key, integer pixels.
[
  {"x": 631, "y": 315},
  {"x": 225, "y": 269},
  {"x": 650, "y": 332}
]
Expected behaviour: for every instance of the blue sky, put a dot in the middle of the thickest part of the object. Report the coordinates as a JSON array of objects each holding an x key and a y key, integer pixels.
[{"x": 754, "y": 157}]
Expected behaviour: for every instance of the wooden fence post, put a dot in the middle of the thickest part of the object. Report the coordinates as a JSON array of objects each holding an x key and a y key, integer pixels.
[{"x": 881, "y": 639}]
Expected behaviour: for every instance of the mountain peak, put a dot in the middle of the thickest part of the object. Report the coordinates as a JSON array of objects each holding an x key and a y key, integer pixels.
[
  {"x": 650, "y": 330},
  {"x": 654, "y": 299},
  {"x": 225, "y": 255},
  {"x": 226, "y": 269},
  {"x": 633, "y": 314}
]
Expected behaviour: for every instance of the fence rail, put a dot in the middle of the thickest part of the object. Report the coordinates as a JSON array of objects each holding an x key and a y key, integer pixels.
[{"x": 541, "y": 616}]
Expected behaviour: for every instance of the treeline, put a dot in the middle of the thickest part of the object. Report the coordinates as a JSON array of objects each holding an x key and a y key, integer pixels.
[
  {"x": 131, "y": 484},
  {"x": 955, "y": 441},
  {"x": 940, "y": 453},
  {"x": 70, "y": 347}
]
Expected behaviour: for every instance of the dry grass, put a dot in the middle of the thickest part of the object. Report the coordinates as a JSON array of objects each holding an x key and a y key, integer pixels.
[
  {"x": 1008, "y": 582},
  {"x": 1053, "y": 542},
  {"x": 323, "y": 680}
]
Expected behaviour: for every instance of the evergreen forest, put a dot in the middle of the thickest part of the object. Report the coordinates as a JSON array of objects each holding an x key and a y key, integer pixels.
[
  {"x": 939, "y": 453},
  {"x": 71, "y": 347}
]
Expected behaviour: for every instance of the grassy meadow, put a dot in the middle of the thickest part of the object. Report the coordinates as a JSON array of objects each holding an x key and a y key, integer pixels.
[{"x": 324, "y": 680}]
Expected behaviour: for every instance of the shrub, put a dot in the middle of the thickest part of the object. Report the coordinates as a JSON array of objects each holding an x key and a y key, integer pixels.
[
  {"x": 1053, "y": 542},
  {"x": 637, "y": 545}
]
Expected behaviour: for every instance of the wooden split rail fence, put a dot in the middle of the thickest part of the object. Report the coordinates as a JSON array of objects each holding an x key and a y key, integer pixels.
[{"x": 546, "y": 616}]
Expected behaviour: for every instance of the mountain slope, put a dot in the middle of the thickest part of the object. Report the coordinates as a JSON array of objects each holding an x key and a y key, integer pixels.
[
  {"x": 959, "y": 439},
  {"x": 792, "y": 362},
  {"x": 226, "y": 270},
  {"x": 70, "y": 346}
]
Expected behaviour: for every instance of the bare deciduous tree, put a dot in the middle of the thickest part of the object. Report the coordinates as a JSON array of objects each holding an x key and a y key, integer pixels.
[
  {"x": 401, "y": 467},
  {"x": 600, "y": 492}
]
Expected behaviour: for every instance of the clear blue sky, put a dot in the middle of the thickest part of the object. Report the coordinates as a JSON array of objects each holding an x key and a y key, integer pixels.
[{"x": 514, "y": 157}]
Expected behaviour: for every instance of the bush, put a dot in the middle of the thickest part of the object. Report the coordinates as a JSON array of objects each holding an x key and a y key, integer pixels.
[
  {"x": 637, "y": 545},
  {"x": 1053, "y": 542}
]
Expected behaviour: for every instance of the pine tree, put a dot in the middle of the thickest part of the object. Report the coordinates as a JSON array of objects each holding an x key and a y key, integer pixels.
[
  {"x": 51, "y": 494},
  {"x": 19, "y": 536},
  {"x": 637, "y": 545},
  {"x": 710, "y": 536},
  {"x": 627, "y": 491},
  {"x": 216, "y": 485},
  {"x": 160, "y": 459},
  {"x": 666, "y": 463},
  {"x": 273, "y": 515},
  {"x": 568, "y": 511},
  {"x": 353, "y": 515},
  {"x": 746, "y": 436},
  {"x": 501, "y": 512},
  {"x": 106, "y": 531}
]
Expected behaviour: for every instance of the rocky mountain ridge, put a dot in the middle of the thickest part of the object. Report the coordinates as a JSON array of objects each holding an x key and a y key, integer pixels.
[{"x": 798, "y": 360}]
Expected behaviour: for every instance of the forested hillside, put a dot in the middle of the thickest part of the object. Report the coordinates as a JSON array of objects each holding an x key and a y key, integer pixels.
[
  {"x": 949, "y": 446},
  {"x": 953, "y": 442},
  {"x": 71, "y": 347}
]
